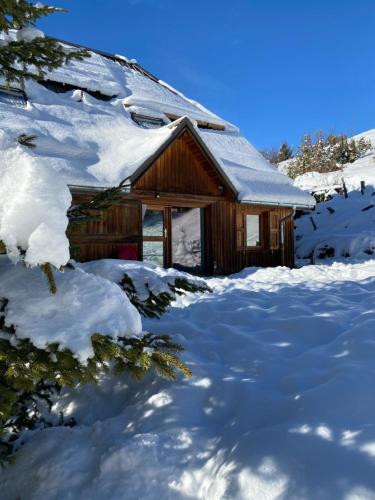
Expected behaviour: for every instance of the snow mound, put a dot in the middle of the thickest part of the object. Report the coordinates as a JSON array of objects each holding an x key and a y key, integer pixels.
[
  {"x": 84, "y": 304},
  {"x": 280, "y": 404},
  {"x": 344, "y": 228},
  {"x": 33, "y": 205}
]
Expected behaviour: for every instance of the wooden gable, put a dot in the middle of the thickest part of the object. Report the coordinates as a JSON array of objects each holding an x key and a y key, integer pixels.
[{"x": 183, "y": 167}]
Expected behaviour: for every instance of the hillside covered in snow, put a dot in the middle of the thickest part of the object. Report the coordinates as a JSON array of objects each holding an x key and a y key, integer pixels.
[{"x": 340, "y": 227}]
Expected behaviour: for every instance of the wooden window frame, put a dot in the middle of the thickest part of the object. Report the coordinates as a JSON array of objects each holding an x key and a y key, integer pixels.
[
  {"x": 162, "y": 238},
  {"x": 260, "y": 222},
  {"x": 241, "y": 229}
]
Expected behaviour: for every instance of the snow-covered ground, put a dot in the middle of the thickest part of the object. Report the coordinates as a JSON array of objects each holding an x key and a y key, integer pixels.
[{"x": 280, "y": 405}]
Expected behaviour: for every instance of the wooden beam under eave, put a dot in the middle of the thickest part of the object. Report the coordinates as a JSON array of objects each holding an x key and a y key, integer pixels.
[{"x": 201, "y": 123}]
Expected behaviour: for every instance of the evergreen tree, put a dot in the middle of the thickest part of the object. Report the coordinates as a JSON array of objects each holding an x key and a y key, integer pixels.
[
  {"x": 326, "y": 154},
  {"x": 322, "y": 160},
  {"x": 30, "y": 376},
  {"x": 271, "y": 155},
  {"x": 363, "y": 146},
  {"x": 303, "y": 162},
  {"x": 27, "y": 53},
  {"x": 285, "y": 152}
]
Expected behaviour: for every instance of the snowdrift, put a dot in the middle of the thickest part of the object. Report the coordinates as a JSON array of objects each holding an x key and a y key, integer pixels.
[
  {"x": 280, "y": 405},
  {"x": 340, "y": 228}
]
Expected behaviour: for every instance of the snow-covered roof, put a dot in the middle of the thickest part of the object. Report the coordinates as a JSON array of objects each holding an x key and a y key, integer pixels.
[{"x": 92, "y": 142}]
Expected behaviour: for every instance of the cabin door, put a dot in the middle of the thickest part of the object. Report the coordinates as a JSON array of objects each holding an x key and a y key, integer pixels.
[
  {"x": 186, "y": 239},
  {"x": 172, "y": 237}
]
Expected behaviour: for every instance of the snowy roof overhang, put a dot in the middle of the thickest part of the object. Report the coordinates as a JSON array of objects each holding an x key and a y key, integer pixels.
[{"x": 94, "y": 142}]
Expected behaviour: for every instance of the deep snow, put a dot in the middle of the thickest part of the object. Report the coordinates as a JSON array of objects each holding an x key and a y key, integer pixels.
[
  {"x": 280, "y": 404},
  {"x": 344, "y": 225}
]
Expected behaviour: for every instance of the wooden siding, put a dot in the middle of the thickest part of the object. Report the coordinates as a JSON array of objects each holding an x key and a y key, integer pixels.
[
  {"x": 228, "y": 249},
  {"x": 182, "y": 168},
  {"x": 224, "y": 234},
  {"x": 121, "y": 225}
]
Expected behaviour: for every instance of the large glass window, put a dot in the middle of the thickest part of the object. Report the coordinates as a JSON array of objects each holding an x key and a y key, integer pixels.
[
  {"x": 153, "y": 237},
  {"x": 153, "y": 252},
  {"x": 252, "y": 230},
  {"x": 153, "y": 223}
]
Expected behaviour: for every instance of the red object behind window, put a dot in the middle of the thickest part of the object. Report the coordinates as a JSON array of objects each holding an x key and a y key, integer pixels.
[{"x": 128, "y": 252}]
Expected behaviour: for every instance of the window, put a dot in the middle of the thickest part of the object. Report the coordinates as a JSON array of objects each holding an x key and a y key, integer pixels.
[
  {"x": 153, "y": 237},
  {"x": 253, "y": 230},
  {"x": 14, "y": 97},
  {"x": 148, "y": 121},
  {"x": 62, "y": 88}
]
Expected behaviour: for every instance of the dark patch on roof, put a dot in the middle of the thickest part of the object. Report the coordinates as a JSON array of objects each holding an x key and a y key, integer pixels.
[{"x": 61, "y": 88}]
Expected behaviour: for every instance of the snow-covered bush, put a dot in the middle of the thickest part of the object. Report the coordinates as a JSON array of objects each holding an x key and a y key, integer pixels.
[
  {"x": 50, "y": 341},
  {"x": 149, "y": 288},
  {"x": 29, "y": 376},
  {"x": 156, "y": 304}
]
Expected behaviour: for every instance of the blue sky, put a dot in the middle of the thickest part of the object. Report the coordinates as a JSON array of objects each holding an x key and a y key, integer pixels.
[{"x": 275, "y": 68}]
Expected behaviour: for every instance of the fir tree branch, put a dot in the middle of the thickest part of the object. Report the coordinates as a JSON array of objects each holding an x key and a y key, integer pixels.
[
  {"x": 14, "y": 14},
  {"x": 47, "y": 269},
  {"x": 27, "y": 140},
  {"x": 32, "y": 60},
  {"x": 103, "y": 200}
]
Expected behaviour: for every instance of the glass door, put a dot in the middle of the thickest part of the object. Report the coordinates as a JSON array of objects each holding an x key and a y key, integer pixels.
[
  {"x": 154, "y": 237},
  {"x": 187, "y": 239}
]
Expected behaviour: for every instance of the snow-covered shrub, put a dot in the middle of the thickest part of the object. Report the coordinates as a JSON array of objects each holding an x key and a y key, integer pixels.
[
  {"x": 157, "y": 304},
  {"x": 149, "y": 288},
  {"x": 50, "y": 341},
  {"x": 30, "y": 376}
]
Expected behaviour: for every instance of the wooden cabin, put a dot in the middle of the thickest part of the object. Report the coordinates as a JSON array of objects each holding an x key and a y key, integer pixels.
[
  {"x": 183, "y": 182},
  {"x": 197, "y": 195}
]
